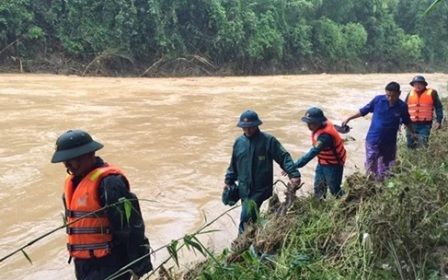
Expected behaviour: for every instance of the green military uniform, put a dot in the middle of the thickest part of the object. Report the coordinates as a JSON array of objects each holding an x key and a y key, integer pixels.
[{"x": 252, "y": 166}]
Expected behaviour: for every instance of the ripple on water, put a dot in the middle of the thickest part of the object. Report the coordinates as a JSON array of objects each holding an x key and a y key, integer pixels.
[{"x": 19, "y": 177}]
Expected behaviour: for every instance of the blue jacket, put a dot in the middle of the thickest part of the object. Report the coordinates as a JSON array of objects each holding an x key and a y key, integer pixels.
[{"x": 386, "y": 119}]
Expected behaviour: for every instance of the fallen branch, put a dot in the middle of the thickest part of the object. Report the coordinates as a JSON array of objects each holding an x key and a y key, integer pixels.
[
  {"x": 155, "y": 64},
  {"x": 9, "y": 45},
  {"x": 105, "y": 54},
  {"x": 192, "y": 61}
]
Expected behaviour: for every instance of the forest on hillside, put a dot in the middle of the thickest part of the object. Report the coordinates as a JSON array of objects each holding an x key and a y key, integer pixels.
[{"x": 166, "y": 37}]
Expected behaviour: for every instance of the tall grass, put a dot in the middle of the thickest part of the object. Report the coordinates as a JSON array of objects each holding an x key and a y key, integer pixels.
[{"x": 396, "y": 229}]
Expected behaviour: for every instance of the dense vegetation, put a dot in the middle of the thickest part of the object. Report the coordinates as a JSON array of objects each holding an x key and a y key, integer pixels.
[{"x": 222, "y": 36}]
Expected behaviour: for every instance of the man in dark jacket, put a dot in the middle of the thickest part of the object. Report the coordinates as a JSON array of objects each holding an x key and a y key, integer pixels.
[
  {"x": 98, "y": 243},
  {"x": 252, "y": 166}
]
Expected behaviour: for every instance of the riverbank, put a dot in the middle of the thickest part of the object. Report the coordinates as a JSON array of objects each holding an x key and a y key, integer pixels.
[
  {"x": 189, "y": 66},
  {"x": 396, "y": 229}
]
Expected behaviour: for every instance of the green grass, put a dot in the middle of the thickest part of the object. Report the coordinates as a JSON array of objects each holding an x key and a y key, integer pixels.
[{"x": 397, "y": 229}]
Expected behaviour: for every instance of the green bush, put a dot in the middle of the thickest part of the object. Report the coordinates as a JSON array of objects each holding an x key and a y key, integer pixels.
[{"x": 249, "y": 36}]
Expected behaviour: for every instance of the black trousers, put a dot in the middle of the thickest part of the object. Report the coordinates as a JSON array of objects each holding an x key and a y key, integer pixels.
[{"x": 101, "y": 268}]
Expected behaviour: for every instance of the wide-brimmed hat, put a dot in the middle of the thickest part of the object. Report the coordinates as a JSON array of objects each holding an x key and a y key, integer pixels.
[
  {"x": 72, "y": 144},
  {"x": 418, "y": 79},
  {"x": 249, "y": 118},
  {"x": 314, "y": 115}
]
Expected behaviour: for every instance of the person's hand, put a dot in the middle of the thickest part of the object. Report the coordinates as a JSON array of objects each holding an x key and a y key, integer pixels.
[
  {"x": 344, "y": 123},
  {"x": 226, "y": 186},
  {"x": 295, "y": 181},
  {"x": 437, "y": 126}
]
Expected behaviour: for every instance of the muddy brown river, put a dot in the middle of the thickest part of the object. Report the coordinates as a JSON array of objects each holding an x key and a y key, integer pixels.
[{"x": 173, "y": 138}]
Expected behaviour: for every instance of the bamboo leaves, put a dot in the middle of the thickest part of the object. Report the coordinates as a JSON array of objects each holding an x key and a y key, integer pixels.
[
  {"x": 172, "y": 250},
  {"x": 191, "y": 241},
  {"x": 432, "y": 6},
  {"x": 26, "y": 256},
  {"x": 127, "y": 204}
]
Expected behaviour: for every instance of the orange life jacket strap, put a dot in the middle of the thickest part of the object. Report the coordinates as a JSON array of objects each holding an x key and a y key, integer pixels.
[
  {"x": 79, "y": 214},
  {"x": 87, "y": 247},
  {"x": 88, "y": 230}
]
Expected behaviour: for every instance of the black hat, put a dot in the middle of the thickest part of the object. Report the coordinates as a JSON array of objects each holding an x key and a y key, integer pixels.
[
  {"x": 314, "y": 115},
  {"x": 418, "y": 79},
  {"x": 72, "y": 144},
  {"x": 249, "y": 118},
  {"x": 342, "y": 129}
]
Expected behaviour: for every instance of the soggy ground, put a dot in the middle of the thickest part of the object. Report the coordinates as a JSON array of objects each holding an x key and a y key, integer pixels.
[{"x": 172, "y": 136}]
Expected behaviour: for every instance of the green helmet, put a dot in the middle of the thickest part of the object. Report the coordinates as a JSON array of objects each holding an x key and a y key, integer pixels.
[
  {"x": 314, "y": 115},
  {"x": 72, "y": 144},
  {"x": 249, "y": 118},
  {"x": 418, "y": 79}
]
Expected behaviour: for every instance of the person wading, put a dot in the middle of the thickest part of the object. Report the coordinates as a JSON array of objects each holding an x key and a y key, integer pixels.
[
  {"x": 422, "y": 102},
  {"x": 381, "y": 141},
  {"x": 330, "y": 151},
  {"x": 251, "y": 166},
  {"x": 100, "y": 243}
]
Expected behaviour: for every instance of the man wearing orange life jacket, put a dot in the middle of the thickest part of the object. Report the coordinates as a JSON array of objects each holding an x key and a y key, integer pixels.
[
  {"x": 99, "y": 243},
  {"x": 329, "y": 149},
  {"x": 422, "y": 102}
]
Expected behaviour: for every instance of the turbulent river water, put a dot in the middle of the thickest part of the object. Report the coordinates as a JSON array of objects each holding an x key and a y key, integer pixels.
[{"x": 173, "y": 138}]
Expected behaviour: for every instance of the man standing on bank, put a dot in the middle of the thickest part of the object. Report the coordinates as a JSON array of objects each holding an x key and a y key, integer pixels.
[
  {"x": 422, "y": 102},
  {"x": 330, "y": 151},
  {"x": 381, "y": 141},
  {"x": 102, "y": 243},
  {"x": 252, "y": 166}
]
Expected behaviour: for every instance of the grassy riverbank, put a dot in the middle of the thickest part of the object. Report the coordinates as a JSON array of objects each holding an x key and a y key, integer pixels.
[{"x": 397, "y": 229}]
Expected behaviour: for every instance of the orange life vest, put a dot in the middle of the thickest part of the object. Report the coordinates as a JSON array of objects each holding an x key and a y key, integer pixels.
[
  {"x": 331, "y": 155},
  {"x": 421, "y": 106},
  {"x": 90, "y": 237}
]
